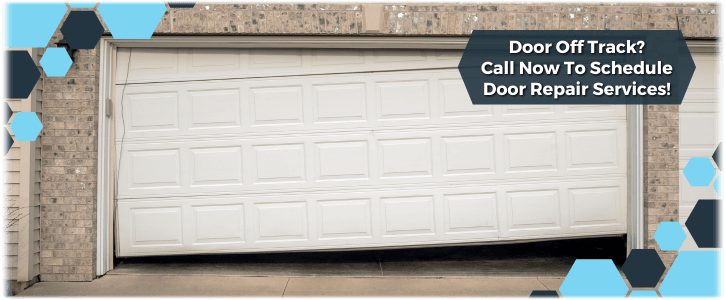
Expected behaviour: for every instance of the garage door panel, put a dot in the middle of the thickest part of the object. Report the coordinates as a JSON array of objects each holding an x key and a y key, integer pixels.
[
  {"x": 320, "y": 103},
  {"x": 169, "y": 65},
  {"x": 299, "y": 159},
  {"x": 364, "y": 161}
]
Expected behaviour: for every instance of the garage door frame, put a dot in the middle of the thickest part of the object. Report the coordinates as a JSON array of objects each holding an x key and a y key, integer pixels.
[{"x": 106, "y": 153}]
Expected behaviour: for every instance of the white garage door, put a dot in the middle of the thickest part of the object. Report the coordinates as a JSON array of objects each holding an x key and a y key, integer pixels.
[
  {"x": 279, "y": 150},
  {"x": 700, "y": 132}
]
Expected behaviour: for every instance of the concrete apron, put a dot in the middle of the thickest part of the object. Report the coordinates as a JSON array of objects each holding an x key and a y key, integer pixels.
[{"x": 279, "y": 286}]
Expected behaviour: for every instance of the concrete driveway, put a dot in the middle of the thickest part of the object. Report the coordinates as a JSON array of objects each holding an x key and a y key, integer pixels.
[{"x": 279, "y": 286}]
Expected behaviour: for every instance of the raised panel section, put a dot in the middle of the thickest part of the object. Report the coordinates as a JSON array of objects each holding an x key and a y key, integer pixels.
[
  {"x": 341, "y": 160},
  {"x": 277, "y": 106},
  {"x": 468, "y": 155},
  {"x": 279, "y": 222},
  {"x": 344, "y": 219},
  {"x": 215, "y": 224},
  {"x": 270, "y": 58},
  {"x": 214, "y": 109},
  {"x": 216, "y": 166},
  {"x": 154, "y": 111},
  {"x": 533, "y": 210},
  {"x": 592, "y": 149},
  {"x": 530, "y": 152},
  {"x": 322, "y": 57},
  {"x": 154, "y": 169},
  {"x": 408, "y": 216},
  {"x": 156, "y": 226},
  {"x": 339, "y": 103},
  {"x": 403, "y": 100},
  {"x": 388, "y": 56},
  {"x": 470, "y": 213},
  {"x": 405, "y": 158},
  {"x": 594, "y": 206},
  {"x": 215, "y": 59},
  {"x": 155, "y": 60},
  {"x": 279, "y": 163},
  {"x": 455, "y": 101},
  {"x": 588, "y": 108},
  {"x": 528, "y": 109}
]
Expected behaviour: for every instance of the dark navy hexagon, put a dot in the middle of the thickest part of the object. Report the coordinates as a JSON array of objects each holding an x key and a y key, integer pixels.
[
  {"x": 717, "y": 156},
  {"x": 7, "y": 142},
  {"x": 8, "y": 113},
  {"x": 181, "y": 4},
  {"x": 544, "y": 294},
  {"x": 643, "y": 268},
  {"x": 669, "y": 236},
  {"x": 22, "y": 74},
  {"x": 146, "y": 18},
  {"x": 82, "y": 29},
  {"x": 703, "y": 223},
  {"x": 31, "y": 25}
]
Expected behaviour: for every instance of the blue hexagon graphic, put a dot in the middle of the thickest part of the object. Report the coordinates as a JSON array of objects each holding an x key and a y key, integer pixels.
[
  {"x": 56, "y": 62},
  {"x": 669, "y": 236},
  {"x": 717, "y": 185},
  {"x": 593, "y": 278},
  {"x": 8, "y": 113},
  {"x": 31, "y": 25},
  {"x": 82, "y": 4},
  {"x": 699, "y": 171},
  {"x": 643, "y": 294},
  {"x": 146, "y": 17},
  {"x": 26, "y": 126},
  {"x": 693, "y": 274}
]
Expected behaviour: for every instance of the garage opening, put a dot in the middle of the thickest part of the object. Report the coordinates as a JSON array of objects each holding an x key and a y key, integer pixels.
[{"x": 269, "y": 150}]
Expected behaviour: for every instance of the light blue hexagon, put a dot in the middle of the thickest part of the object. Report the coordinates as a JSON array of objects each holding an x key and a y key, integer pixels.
[
  {"x": 56, "y": 62},
  {"x": 669, "y": 236},
  {"x": 643, "y": 294},
  {"x": 593, "y": 278},
  {"x": 699, "y": 171},
  {"x": 146, "y": 17},
  {"x": 693, "y": 274},
  {"x": 31, "y": 25},
  {"x": 82, "y": 4},
  {"x": 717, "y": 185},
  {"x": 26, "y": 126}
]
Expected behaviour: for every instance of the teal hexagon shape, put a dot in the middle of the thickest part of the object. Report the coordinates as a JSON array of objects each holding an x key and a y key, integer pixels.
[
  {"x": 593, "y": 278},
  {"x": 146, "y": 17},
  {"x": 26, "y": 126},
  {"x": 699, "y": 171},
  {"x": 56, "y": 62},
  {"x": 717, "y": 185},
  {"x": 31, "y": 25},
  {"x": 82, "y": 4},
  {"x": 669, "y": 236},
  {"x": 693, "y": 274},
  {"x": 643, "y": 294}
]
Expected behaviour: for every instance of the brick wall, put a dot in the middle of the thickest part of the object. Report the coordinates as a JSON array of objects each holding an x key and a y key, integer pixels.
[
  {"x": 661, "y": 143},
  {"x": 70, "y": 107}
]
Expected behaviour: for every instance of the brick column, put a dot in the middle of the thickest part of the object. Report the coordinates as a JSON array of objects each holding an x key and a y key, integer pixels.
[
  {"x": 661, "y": 144},
  {"x": 68, "y": 174}
]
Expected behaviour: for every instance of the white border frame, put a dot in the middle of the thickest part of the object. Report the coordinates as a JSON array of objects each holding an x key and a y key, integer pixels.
[{"x": 108, "y": 45}]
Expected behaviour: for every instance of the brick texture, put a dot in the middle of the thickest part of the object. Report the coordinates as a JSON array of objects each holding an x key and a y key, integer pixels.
[{"x": 70, "y": 106}]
